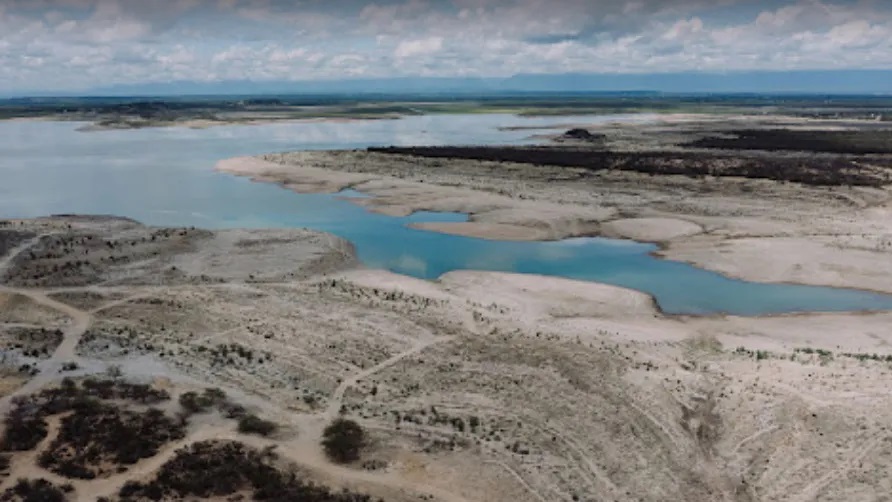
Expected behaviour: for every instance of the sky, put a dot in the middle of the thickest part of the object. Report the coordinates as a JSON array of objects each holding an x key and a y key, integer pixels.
[{"x": 82, "y": 44}]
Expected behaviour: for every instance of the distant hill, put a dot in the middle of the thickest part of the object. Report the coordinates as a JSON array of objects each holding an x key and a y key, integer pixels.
[{"x": 815, "y": 82}]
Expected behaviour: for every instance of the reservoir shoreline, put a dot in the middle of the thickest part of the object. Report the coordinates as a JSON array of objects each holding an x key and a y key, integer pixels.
[{"x": 822, "y": 236}]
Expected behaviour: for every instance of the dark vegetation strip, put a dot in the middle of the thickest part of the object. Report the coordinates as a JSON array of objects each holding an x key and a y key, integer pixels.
[
  {"x": 35, "y": 490},
  {"x": 809, "y": 170},
  {"x": 97, "y": 435},
  {"x": 219, "y": 469},
  {"x": 877, "y": 141},
  {"x": 112, "y": 430}
]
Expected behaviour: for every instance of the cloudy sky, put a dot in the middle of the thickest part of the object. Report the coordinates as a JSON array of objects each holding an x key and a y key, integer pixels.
[{"x": 77, "y": 44}]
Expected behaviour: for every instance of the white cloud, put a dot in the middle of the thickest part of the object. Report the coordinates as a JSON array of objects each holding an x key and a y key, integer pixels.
[
  {"x": 84, "y": 43},
  {"x": 684, "y": 28},
  {"x": 419, "y": 47}
]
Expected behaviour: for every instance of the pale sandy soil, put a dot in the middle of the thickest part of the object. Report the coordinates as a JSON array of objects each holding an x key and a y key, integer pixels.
[{"x": 478, "y": 386}]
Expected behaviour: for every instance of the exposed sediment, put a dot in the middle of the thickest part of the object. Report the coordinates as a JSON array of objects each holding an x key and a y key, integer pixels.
[{"x": 832, "y": 236}]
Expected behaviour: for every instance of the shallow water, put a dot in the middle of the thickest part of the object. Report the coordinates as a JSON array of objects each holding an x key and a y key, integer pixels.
[{"x": 165, "y": 177}]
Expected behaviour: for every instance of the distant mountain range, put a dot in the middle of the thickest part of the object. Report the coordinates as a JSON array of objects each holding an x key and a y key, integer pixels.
[{"x": 810, "y": 82}]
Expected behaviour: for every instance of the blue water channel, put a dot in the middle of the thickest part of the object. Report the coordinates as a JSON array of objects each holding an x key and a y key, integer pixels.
[{"x": 165, "y": 176}]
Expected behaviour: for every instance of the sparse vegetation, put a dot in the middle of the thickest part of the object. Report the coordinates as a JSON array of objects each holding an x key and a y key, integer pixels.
[
  {"x": 38, "y": 343},
  {"x": 193, "y": 402}
]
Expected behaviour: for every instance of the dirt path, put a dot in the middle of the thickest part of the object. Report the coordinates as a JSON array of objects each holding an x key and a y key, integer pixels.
[
  {"x": 122, "y": 301},
  {"x": 304, "y": 449},
  {"x": 143, "y": 470},
  {"x": 24, "y": 464},
  {"x": 813, "y": 489},
  {"x": 14, "y": 252},
  {"x": 336, "y": 399},
  {"x": 65, "y": 352},
  {"x": 519, "y": 479}
]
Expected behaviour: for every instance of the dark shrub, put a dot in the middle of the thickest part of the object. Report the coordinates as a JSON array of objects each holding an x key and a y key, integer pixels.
[
  {"x": 193, "y": 402},
  {"x": 99, "y": 434},
  {"x": 234, "y": 411},
  {"x": 40, "y": 490},
  {"x": 343, "y": 440},
  {"x": 23, "y": 431},
  {"x": 252, "y": 424},
  {"x": 211, "y": 469}
]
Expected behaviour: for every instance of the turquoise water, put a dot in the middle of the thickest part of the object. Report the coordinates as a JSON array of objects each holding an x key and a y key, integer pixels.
[{"x": 166, "y": 177}]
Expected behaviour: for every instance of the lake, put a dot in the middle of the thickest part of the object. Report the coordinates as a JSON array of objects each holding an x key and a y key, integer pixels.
[{"x": 165, "y": 176}]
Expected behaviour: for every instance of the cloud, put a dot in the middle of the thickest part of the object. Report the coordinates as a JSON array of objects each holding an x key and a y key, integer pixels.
[
  {"x": 423, "y": 46},
  {"x": 75, "y": 44}
]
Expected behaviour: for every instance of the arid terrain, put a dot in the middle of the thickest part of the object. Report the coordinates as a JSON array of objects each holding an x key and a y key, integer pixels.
[{"x": 474, "y": 387}]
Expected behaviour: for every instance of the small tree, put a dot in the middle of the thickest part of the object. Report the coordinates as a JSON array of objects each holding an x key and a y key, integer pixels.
[{"x": 342, "y": 440}]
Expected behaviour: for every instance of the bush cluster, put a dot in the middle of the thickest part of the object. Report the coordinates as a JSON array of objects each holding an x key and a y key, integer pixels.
[
  {"x": 23, "y": 432},
  {"x": 40, "y": 490},
  {"x": 97, "y": 435},
  {"x": 26, "y": 422},
  {"x": 193, "y": 402},
  {"x": 343, "y": 440},
  {"x": 252, "y": 424},
  {"x": 217, "y": 469}
]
